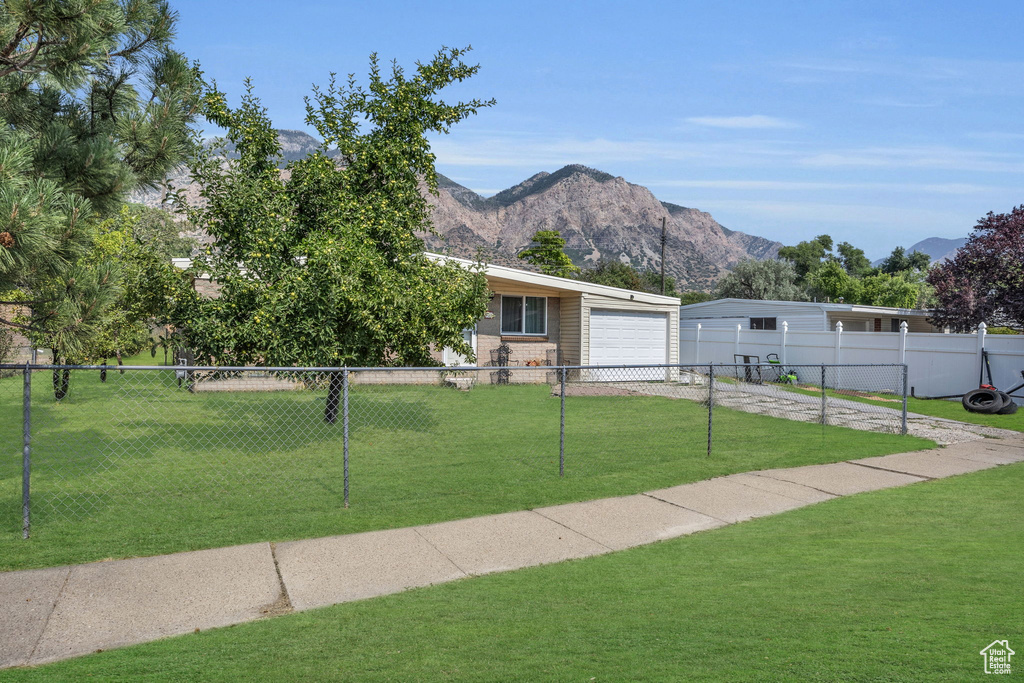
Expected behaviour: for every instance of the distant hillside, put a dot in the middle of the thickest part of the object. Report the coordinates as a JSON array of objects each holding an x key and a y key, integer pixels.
[
  {"x": 295, "y": 145},
  {"x": 600, "y": 217},
  {"x": 938, "y": 248}
]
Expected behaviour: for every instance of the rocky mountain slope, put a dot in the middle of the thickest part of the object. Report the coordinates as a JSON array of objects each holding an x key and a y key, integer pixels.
[{"x": 600, "y": 216}]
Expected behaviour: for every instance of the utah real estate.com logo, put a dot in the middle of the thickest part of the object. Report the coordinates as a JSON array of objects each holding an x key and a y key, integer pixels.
[{"x": 997, "y": 657}]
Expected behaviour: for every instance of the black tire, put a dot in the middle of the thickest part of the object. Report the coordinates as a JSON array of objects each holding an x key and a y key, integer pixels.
[
  {"x": 1009, "y": 407},
  {"x": 984, "y": 401}
]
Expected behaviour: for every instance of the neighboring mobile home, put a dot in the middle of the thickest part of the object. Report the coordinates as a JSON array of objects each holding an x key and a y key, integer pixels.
[{"x": 752, "y": 314}]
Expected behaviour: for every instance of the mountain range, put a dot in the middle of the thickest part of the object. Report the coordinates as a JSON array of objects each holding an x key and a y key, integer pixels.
[
  {"x": 939, "y": 248},
  {"x": 600, "y": 217}
]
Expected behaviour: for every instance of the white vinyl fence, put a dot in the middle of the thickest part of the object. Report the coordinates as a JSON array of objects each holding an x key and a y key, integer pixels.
[{"x": 938, "y": 364}]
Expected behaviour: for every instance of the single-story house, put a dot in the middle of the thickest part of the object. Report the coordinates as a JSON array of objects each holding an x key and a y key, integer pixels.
[
  {"x": 802, "y": 315},
  {"x": 547, "y": 320}
]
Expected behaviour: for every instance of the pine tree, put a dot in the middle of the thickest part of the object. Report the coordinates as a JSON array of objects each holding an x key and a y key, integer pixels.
[
  {"x": 93, "y": 104},
  {"x": 548, "y": 254}
]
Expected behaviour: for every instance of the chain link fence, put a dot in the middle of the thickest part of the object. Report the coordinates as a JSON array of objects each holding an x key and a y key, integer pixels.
[{"x": 173, "y": 446}]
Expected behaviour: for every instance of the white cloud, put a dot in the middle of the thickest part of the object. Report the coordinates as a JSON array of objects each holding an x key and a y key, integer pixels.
[
  {"x": 803, "y": 186},
  {"x": 927, "y": 158},
  {"x": 840, "y": 214},
  {"x": 519, "y": 150},
  {"x": 833, "y": 66},
  {"x": 525, "y": 151},
  {"x": 997, "y": 136},
  {"x": 756, "y": 121},
  {"x": 554, "y": 153},
  {"x": 898, "y": 103},
  {"x": 921, "y": 79}
]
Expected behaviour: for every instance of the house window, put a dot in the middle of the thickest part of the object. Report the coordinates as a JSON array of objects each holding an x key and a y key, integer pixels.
[
  {"x": 762, "y": 323},
  {"x": 524, "y": 315},
  {"x": 894, "y": 324}
]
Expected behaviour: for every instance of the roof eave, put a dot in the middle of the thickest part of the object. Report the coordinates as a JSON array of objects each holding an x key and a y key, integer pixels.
[{"x": 564, "y": 284}]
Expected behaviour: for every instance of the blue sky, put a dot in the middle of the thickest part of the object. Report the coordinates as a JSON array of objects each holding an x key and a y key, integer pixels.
[{"x": 879, "y": 123}]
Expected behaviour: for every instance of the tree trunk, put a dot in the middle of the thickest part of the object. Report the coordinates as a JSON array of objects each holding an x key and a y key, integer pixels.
[
  {"x": 61, "y": 380},
  {"x": 333, "y": 398}
]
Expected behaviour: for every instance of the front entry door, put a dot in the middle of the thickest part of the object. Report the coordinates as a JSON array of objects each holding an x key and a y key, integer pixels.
[{"x": 452, "y": 359}]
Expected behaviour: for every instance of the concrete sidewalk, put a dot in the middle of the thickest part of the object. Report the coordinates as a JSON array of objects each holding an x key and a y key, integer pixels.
[{"x": 52, "y": 614}]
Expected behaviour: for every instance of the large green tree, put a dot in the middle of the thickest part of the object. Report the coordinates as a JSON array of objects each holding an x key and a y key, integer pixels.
[
  {"x": 323, "y": 265},
  {"x": 613, "y": 274},
  {"x": 548, "y": 253},
  {"x": 854, "y": 261},
  {"x": 831, "y": 282},
  {"x": 897, "y": 291},
  {"x": 769, "y": 280},
  {"x": 694, "y": 297},
  {"x": 141, "y": 244},
  {"x": 900, "y": 261},
  {"x": 913, "y": 269},
  {"x": 807, "y": 256},
  {"x": 618, "y": 274},
  {"x": 94, "y": 103},
  {"x": 848, "y": 275}
]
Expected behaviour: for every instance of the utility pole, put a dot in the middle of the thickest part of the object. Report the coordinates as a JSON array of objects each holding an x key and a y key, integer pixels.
[{"x": 662, "y": 254}]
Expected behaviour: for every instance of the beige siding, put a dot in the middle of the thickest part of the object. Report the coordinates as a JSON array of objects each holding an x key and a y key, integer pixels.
[
  {"x": 584, "y": 333},
  {"x": 554, "y": 319},
  {"x": 610, "y": 303},
  {"x": 917, "y": 324},
  {"x": 570, "y": 335}
]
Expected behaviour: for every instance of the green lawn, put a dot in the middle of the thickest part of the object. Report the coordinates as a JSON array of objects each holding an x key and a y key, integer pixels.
[
  {"x": 953, "y": 410},
  {"x": 137, "y": 466},
  {"x": 906, "y": 584}
]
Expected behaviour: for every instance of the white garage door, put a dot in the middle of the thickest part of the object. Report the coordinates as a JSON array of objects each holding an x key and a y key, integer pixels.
[{"x": 627, "y": 338}]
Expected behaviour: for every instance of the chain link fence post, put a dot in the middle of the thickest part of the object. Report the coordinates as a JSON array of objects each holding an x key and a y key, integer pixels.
[
  {"x": 823, "y": 398},
  {"x": 344, "y": 419},
  {"x": 561, "y": 432},
  {"x": 26, "y": 455},
  {"x": 711, "y": 400},
  {"x": 903, "y": 428}
]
